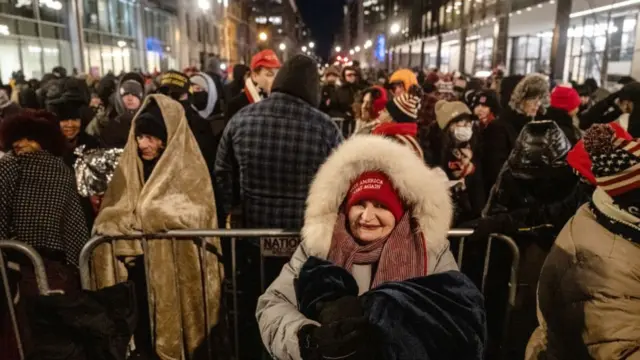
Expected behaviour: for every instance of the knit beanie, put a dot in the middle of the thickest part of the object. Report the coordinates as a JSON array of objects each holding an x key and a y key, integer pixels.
[
  {"x": 132, "y": 87},
  {"x": 448, "y": 110},
  {"x": 565, "y": 98},
  {"x": 405, "y": 76},
  {"x": 151, "y": 122},
  {"x": 488, "y": 98},
  {"x": 375, "y": 186},
  {"x": 615, "y": 162},
  {"x": 332, "y": 70},
  {"x": 578, "y": 158},
  {"x": 404, "y": 108}
]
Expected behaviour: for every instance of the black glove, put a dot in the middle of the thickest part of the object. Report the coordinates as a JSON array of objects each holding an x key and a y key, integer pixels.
[
  {"x": 349, "y": 339},
  {"x": 342, "y": 308}
]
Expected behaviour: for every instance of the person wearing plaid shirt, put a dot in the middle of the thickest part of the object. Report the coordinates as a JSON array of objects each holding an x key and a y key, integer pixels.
[{"x": 271, "y": 150}]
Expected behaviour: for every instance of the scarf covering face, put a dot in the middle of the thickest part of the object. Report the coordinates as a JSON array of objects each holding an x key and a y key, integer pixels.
[
  {"x": 177, "y": 195},
  {"x": 461, "y": 165},
  {"x": 253, "y": 92},
  {"x": 400, "y": 256}
]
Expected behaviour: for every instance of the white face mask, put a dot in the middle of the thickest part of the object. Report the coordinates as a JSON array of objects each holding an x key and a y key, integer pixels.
[{"x": 463, "y": 134}]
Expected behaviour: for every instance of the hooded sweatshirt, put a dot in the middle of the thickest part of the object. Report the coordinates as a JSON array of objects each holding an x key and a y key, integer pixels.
[{"x": 206, "y": 83}]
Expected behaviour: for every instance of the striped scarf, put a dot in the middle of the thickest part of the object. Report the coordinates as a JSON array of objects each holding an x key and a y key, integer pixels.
[
  {"x": 254, "y": 93},
  {"x": 400, "y": 256},
  {"x": 462, "y": 166}
]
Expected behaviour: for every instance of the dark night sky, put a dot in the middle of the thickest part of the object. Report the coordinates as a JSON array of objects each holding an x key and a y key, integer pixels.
[{"x": 324, "y": 18}]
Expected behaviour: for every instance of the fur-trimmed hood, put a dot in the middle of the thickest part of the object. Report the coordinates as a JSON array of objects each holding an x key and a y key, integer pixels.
[
  {"x": 532, "y": 86},
  {"x": 423, "y": 190}
]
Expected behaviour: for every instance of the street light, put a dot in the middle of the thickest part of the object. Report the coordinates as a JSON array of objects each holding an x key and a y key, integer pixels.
[
  {"x": 283, "y": 46},
  {"x": 368, "y": 44},
  {"x": 338, "y": 49},
  {"x": 204, "y": 5},
  {"x": 304, "y": 49},
  {"x": 263, "y": 36},
  {"x": 312, "y": 45},
  {"x": 122, "y": 43},
  {"x": 357, "y": 49},
  {"x": 351, "y": 52},
  {"x": 395, "y": 28}
]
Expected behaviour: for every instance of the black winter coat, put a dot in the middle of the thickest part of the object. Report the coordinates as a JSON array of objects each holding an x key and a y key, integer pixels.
[
  {"x": 202, "y": 131},
  {"x": 329, "y": 102},
  {"x": 236, "y": 104},
  {"x": 344, "y": 98},
  {"x": 499, "y": 138},
  {"x": 565, "y": 122}
]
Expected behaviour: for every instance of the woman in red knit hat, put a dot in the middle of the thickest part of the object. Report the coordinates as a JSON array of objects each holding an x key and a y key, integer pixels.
[{"x": 377, "y": 214}]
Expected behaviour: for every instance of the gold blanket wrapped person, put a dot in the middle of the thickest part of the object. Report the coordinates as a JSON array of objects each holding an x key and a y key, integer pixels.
[{"x": 161, "y": 184}]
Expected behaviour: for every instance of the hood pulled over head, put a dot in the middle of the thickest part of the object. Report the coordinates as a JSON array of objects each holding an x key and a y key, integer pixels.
[
  {"x": 209, "y": 90},
  {"x": 423, "y": 191}
]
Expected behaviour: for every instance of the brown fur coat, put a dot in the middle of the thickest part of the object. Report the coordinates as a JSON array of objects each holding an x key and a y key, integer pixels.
[{"x": 178, "y": 195}]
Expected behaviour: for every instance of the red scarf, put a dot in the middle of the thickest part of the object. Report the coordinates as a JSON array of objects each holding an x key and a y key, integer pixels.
[
  {"x": 400, "y": 256},
  {"x": 486, "y": 121},
  {"x": 462, "y": 166}
]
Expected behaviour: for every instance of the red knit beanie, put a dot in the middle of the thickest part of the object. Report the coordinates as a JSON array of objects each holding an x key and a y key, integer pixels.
[
  {"x": 375, "y": 186},
  {"x": 565, "y": 98}
]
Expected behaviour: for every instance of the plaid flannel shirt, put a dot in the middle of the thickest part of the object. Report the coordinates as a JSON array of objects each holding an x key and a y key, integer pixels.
[{"x": 270, "y": 152}]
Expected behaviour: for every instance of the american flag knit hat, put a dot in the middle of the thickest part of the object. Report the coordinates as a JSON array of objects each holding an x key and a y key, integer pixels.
[
  {"x": 404, "y": 108},
  {"x": 615, "y": 160}
]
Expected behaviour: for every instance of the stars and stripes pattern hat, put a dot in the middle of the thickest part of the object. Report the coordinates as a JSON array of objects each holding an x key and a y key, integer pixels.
[
  {"x": 404, "y": 108},
  {"x": 616, "y": 161}
]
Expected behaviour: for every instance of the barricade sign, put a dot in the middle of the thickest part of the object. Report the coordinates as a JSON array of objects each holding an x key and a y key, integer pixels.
[{"x": 278, "y": 246}]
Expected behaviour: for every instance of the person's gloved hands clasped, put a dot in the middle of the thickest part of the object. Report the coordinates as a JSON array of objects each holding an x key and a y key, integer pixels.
[{"x": 345, "y": 333}]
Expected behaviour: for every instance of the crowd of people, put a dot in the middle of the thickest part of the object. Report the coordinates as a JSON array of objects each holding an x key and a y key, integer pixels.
[{"x": 374, "y": 171}]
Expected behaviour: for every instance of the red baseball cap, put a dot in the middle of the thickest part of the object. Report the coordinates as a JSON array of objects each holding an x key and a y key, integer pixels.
[
  {"x": 375, "y": 186},
  {"x": 265, "y": 58}
]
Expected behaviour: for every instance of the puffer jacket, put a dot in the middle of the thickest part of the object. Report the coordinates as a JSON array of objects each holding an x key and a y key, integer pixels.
[
  {"x": 277, "y": 312},
  {"x": 588, "y": 295}
]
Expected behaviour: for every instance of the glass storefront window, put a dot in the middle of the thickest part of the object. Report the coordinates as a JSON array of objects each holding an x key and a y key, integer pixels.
[
  {"x": 91, "y": 14},
  {"x": 10, "y": 59},
  {"x": 17, "y": 8},
  {"x": 31, "y": 58},
  {"x": 50, "y": 54}
]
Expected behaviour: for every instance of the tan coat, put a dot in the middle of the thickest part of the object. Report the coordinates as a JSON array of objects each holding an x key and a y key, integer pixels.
[
  {"x": 588, "y": 295},
  {"x": 178, "y": 195}
]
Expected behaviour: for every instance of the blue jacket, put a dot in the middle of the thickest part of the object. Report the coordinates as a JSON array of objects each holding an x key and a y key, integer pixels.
[{"x": 267, "y": 158}]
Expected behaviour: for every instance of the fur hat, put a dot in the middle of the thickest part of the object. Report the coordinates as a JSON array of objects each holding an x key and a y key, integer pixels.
[
  {"x": 448, "y": 110},
  {"x": 531, "y": 87},
  {"x": 299, "y": 77},
  {"x": 37, "y": 125}
]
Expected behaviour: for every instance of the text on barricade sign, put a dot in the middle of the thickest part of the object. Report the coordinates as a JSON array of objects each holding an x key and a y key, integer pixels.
[{"x": 278, "y": 246}]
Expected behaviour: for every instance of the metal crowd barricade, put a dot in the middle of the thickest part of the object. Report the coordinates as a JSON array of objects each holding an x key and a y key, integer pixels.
[
  {"x": 41, "y": 279},
  {"x": 278, "y": 243}
]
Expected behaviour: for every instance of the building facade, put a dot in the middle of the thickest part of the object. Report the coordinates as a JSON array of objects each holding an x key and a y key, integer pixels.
[
  {"x": 566, "y": 39},
  {"x": 101, "y": 36},
  {"x": 278, "y": 26}
]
